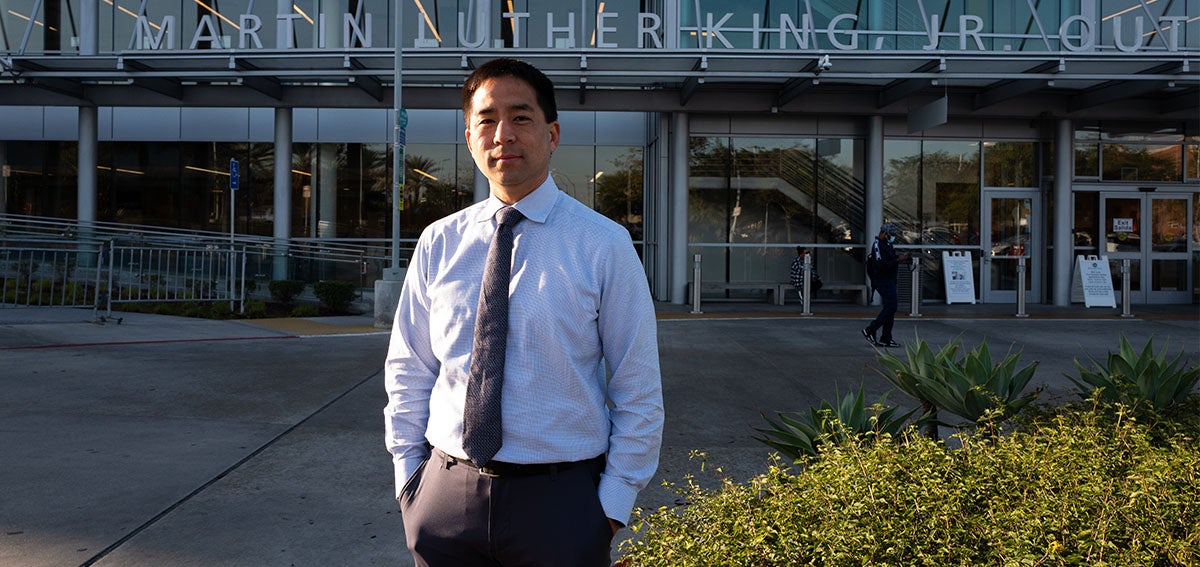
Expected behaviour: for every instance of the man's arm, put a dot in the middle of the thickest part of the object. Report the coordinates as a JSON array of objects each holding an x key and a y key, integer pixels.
[
  {"x": 409, "y": 372},
  {"x": 629, "y": 335}
]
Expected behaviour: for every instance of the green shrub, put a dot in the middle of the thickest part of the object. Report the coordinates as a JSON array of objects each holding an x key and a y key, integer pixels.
[
  {"x": 285, "y": 291},
  {"x": 336, "y": 295},
  {"x": 1082, "y": 488},
  {"x": 1139, "y": 380},
  {"x": 799, "y": 436},
  {"x": 305, "y": 311},
  {"x": 256, "y": 308},
  {"x": 220, "y": 310}
]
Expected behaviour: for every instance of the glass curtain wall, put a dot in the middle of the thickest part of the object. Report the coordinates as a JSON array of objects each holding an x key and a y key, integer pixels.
[
  {"x": 931, "y": 188},
  {"x": 1136, "y": 152},
  {"x": 340, "y": 190},
  {"x": 753, "y": 200}
]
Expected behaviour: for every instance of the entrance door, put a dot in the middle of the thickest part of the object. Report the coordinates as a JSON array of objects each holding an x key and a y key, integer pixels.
[
  {"x": 1011, "y": 234},
  {"x": 1151, "y": 231}
]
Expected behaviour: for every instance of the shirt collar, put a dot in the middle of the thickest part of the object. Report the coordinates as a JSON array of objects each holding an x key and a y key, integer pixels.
[{"x": 536, "y": 206}]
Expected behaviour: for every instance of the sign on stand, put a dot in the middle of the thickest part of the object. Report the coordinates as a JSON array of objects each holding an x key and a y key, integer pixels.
[
  {"x": 1094, "y": 278},
  {"x": 959, "y": 276}
]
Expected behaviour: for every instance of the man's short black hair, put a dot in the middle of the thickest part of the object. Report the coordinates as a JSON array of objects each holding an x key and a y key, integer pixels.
[{"x": 543, "y": 88}]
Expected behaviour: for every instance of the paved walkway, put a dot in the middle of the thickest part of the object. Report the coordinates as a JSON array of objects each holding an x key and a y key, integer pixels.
[{"x": 169, "y": 441}]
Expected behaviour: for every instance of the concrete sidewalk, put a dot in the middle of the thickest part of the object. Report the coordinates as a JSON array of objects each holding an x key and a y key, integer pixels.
[{"x": 171, "y": 441}]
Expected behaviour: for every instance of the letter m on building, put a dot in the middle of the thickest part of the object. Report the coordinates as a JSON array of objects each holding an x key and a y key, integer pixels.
[{"x": 147, "y": 35}]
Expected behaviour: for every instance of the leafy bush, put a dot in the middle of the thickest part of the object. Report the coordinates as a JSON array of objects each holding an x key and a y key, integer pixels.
[
  {"x": 256, "y": 308},
  {"x": 305, "y": 311},
  {"x": 1082, "y": 488},
  {"x": 336, "y": 295},
  {"x": 285, "y": 291},
  {"x": 1139, "y": 380},
  {"x": 801, "y": 436}
]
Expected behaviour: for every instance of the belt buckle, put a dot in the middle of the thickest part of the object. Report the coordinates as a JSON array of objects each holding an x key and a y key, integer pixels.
[{"x": 488, "y": 472}]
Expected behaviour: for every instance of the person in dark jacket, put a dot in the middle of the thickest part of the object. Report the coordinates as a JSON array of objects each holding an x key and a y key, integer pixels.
[{"x": 883, "y": 264}]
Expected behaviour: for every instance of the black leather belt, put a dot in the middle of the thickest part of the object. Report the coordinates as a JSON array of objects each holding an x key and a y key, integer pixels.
[{"x": 501, "y": 469}]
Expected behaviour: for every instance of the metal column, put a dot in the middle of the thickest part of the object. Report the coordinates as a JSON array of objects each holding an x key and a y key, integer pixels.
[
  {"x": 1064, "y": 169},
  {"x": 873, "y": 181},
  {"x": 282, "y": 192},
  {"x": 679, "y": 206}
]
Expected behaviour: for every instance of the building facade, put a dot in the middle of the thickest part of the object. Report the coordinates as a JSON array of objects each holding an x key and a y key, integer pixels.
[{"x": 732, "y": 130}]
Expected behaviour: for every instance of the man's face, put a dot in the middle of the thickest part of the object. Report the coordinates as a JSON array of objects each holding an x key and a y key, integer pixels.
[{"x": 510, "y": 138}]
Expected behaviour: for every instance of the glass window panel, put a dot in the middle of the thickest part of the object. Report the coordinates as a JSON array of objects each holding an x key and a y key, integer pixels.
[
  {"x": 841, "y": 193},
  {"x": 1133, "y": 132},
  {"x": 1142, "y": 162},
  {"x": 43, "y": 178},
  {"x": 364, "y": 182},
  {"x": 52, "y": 28},
  {"x": 1168, "y": 230},
  {"x": 1087, "y": 160},
  {"x": 901, "y": 182},
  {"x": 1087, "y": 207},
  {"x": 1168, "y": 275},
  {"x": 1122, "y": 225},
  {"x": 573, "y": 167},
  {"x": 618, "y": 186},
  {"x": 1196, "y": 225},
  {"x": 1135, "y": 275},
  {"x": 1193, "y": 160},
  {"x": 773, "y": 193},
  {"x": 949, "y": 192},
  {"x": 303, "y": 194},
  {"x": 430, "y": 188},
  {"x": 1009, "y": 164},
  {"x": 708, "y": 195}
]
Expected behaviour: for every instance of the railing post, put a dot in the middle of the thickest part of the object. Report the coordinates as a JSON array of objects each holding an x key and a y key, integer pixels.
[
  {"x": 111, "y": 268},
  {"x": 1126, "y": 300},
  {"x": 915, "y": 297},
  {"x": 1021, "y": 287},
  {"x": 806, "y": 285},
  {"x": 242, "y": 299},
  {"x": 696, "y": 284}
]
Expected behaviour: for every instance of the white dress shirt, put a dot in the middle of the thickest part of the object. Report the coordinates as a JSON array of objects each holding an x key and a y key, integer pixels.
[{"x": 578, "y": 302}]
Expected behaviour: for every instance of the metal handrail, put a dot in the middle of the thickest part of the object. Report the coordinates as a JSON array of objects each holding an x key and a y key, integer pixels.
[{"x": 25, "y": 228}]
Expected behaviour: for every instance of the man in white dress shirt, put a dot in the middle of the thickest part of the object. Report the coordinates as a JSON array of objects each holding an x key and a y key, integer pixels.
[{"x": 581, "y": 401}]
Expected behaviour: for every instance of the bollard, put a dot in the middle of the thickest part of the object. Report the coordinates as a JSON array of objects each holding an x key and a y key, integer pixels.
[
  {"x": 915, "y": 297},
  {"x": 1125, "y": 299},
  {"x": 1021, "y": 287},
  {"x": 696, "y": 284},
  {"x": 807, "y": 285}
]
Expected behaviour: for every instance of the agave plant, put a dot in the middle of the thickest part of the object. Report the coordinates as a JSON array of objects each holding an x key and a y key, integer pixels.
[
  {"x": 798, "y": 436},
  {"x": 1138, "y": 379},
  {"x": 921, "y": 365},
  {"x": 971, "y": 387},
  {"x": 981, "y": 392}
]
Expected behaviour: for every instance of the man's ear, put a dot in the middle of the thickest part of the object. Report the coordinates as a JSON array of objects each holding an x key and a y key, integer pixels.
[{"x": 554, "y": 130}]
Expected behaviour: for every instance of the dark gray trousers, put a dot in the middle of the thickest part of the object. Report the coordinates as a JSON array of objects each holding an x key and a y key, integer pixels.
[{"x": 454, "y": 516}]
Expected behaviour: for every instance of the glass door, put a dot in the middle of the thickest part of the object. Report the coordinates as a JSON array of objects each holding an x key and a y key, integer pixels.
[
  {"x": 1168, "y": 254},
  {"x": 1121, "y": 233},
  {"x": 1151, "y": 231},
  {"x": 1011, "y": 234}
]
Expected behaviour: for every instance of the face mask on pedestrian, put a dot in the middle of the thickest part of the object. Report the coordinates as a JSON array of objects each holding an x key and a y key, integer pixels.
[{"x": 891, "y": 239}]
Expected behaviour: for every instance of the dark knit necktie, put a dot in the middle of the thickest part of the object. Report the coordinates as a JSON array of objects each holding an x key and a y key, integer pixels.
[{"x": 482, "y": 430}]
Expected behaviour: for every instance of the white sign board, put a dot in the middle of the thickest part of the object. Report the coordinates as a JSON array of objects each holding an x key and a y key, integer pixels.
[
  {"x": 959, "y": 276},
  {"x": 1096, "y": 279},
  {"x": 1122, "y": 225}
]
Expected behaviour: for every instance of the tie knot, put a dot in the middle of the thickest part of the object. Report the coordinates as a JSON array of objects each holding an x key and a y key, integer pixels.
[{"x": 509, "y": 217}]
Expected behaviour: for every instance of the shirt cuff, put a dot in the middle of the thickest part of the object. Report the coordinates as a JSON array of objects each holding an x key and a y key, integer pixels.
[
  {"x": 617, "y": 498},
  {"x": 405, "y": 469}
]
